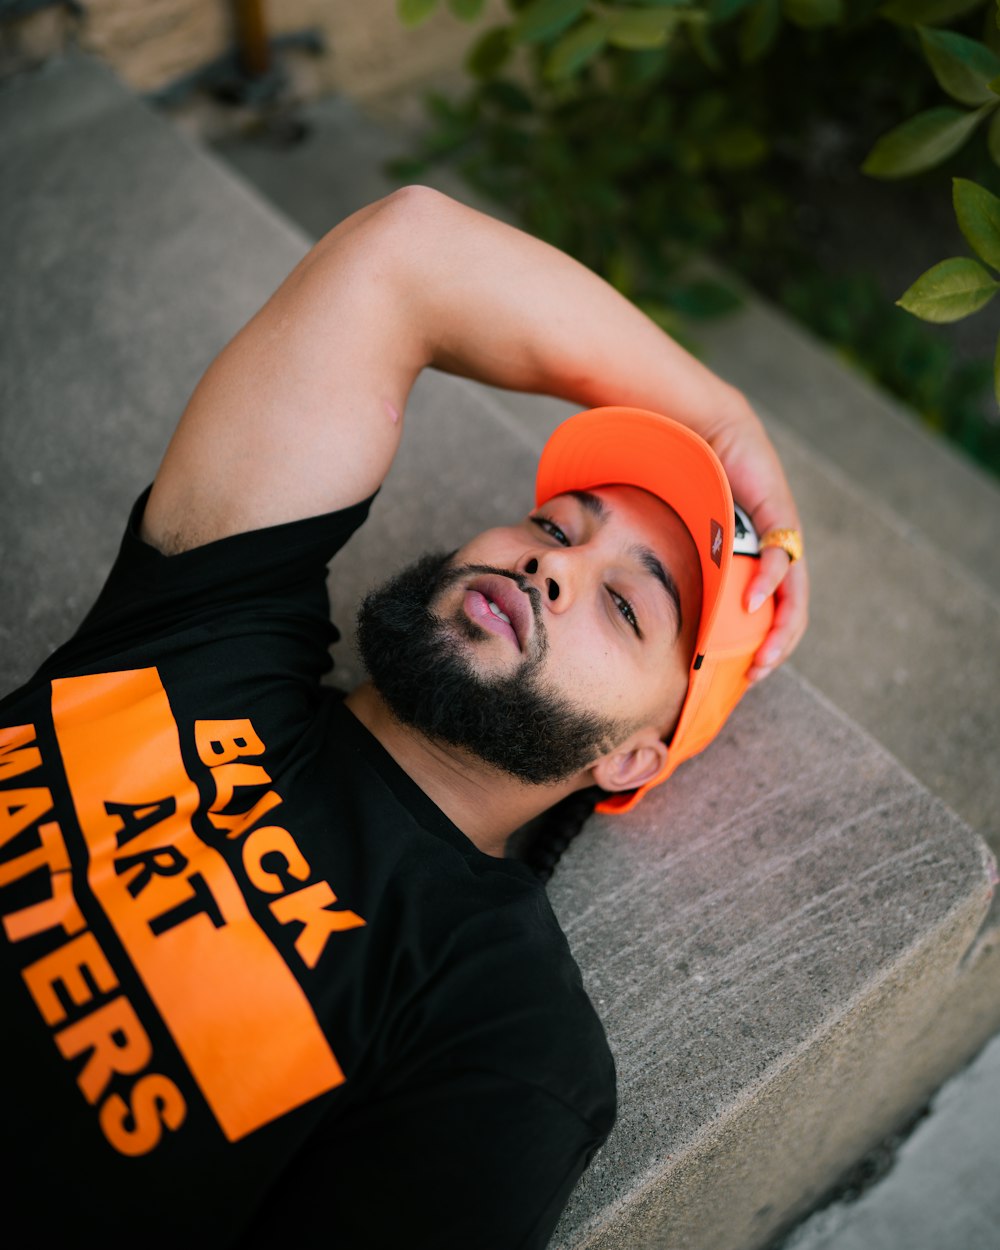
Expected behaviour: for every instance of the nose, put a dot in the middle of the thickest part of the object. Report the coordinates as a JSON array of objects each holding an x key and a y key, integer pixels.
[{"x": 553, "y": 575}]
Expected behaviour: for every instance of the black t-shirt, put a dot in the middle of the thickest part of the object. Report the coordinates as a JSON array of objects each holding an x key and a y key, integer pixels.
[{"x": 256, "y": 985}]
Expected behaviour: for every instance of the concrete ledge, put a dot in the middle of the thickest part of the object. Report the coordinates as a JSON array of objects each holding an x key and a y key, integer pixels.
[
  {"x": 129, "y": 259},
  {"x": 779, "y": 941},
  {"x": 770, "y": 942}
]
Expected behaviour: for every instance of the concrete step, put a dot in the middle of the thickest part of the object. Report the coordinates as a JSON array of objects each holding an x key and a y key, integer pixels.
[
  {"x": 786, "y": 942},
  {"x": 920, "y": 1204}
]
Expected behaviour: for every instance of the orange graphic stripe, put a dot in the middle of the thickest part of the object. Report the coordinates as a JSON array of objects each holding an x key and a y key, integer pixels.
[{"x": 236, "y": 1012}]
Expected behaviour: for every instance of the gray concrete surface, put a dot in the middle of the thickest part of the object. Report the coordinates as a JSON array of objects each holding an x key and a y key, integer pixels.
[
  {"x": 921, "y": 1204},
  {"x": 129, "y": 258},
  {"x": 786, "y": 942},
  {"x": 336, "y": 169}
]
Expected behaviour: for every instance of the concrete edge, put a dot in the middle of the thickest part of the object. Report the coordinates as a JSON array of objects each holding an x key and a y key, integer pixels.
[{"x": 762, "y": 1109}]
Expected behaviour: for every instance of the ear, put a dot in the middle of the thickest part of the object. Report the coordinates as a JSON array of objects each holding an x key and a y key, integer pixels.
[{"x": 640, "y": 757}]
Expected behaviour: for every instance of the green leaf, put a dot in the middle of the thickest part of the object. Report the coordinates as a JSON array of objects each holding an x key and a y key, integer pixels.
[
  {"x": 812, "y": 14},
  {"x": 620, "y": 271},
  {"x": 413, "y": 12},
  {"x": 705, "y": 113},
  {"x": 926, "y": 12},
  {"x": 993, "y": 138},
  {"x": 543, "y": 19},
  {"x": 704, "y": 298},
  {"x": 576, "y": 48},
  {"x": 759, "y": 30},
  {"x": 738, "y": 147},
  {"x": 666, "y": 318},
  {"x": 963, "y": 67},
  {"x": 950, "y": 290},
  {"x": 641, "y": 28},
  {"x": 922, "y": 142},
  {"x": 467, "y": 10},
  {"x": 489, "y": 53},
  {"x": 405, "y": 168},
  {"x": 702, "y": 43},
  {"x": 996, "y": 372},
  {"x": 978, "y": 214},
  {"x": 721, "y": 11},
  {"x": 991, "y": 34},
  {"x": 508, "y": 96},
  {"x": 640, "y": 69}
]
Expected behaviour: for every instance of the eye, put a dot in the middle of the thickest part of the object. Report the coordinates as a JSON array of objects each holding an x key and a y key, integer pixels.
[
  {"x": 551, "y": 529},
  {"x": 627, "y": 611}
]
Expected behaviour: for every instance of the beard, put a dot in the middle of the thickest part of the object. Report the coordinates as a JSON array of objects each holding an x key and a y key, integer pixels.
[{"x": 511, "y": 721}]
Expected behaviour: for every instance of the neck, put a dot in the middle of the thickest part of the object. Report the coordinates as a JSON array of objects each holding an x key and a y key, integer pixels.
[{"x": 486, "y": 804}]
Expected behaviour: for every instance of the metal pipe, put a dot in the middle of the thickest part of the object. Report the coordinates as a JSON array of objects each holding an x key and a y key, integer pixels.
[{"x": 252, "y": 46}]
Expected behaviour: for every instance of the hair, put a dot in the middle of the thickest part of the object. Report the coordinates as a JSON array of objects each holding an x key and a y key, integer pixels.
[{"x": 541, "y": 842}]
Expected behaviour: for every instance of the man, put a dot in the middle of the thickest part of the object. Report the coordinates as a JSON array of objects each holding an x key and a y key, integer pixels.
[{"x": 267, "y": 970}]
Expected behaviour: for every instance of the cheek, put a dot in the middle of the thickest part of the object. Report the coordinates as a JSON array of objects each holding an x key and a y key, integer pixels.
[
  {"x": 648, "y": 694},
  {"x": 674, "y": 690},
  {"x": 498, "y": 548},
  {"x": 583, "y": 665}
]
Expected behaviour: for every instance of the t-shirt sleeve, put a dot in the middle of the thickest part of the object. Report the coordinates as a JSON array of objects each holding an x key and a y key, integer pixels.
[
  {"x": 474, "y": 1159},
  {"x": 256, "y": 576}
]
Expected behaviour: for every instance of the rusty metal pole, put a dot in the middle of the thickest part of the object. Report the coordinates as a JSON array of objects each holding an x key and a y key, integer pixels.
[{"x": 252, "y": 46}]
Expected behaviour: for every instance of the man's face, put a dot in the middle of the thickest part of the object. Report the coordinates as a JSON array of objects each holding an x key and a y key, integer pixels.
[{"x": 543, "y": 645}]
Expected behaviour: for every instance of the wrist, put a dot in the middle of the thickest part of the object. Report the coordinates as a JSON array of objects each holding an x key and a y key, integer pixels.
[{"x": 731, "y": 415}]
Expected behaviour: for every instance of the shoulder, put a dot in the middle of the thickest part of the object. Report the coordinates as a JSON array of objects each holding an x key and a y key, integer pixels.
[{"x": 513, "y": 1000}]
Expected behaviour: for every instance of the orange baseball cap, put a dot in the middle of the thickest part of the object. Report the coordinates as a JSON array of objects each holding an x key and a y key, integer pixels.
[{"x": 632, "y": 447}]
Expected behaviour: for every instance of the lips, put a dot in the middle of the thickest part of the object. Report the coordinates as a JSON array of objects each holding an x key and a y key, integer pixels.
[{"x": 498, "y": 606}]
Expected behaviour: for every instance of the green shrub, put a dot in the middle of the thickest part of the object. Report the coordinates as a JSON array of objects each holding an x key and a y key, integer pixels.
[{"x": 635, "y": 134}]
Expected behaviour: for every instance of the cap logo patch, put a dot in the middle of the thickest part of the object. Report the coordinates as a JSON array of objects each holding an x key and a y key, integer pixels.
[{"x": 717, "y": 544}]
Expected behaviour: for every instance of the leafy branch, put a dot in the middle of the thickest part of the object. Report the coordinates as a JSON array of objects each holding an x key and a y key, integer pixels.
[{"x": 635, "y": 134}]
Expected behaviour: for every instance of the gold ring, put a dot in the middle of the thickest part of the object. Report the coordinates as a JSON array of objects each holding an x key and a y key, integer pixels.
[{"x": 790, "y": 542}]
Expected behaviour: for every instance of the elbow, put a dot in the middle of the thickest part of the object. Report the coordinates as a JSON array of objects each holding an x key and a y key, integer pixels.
[
  {"x": 415, "y": 199},
  {"x": 416, "y": 221},
  {"x": 386, "y": 234},
  {"x": 406, "y": 212},
  {"x": 396, "y": 228}
]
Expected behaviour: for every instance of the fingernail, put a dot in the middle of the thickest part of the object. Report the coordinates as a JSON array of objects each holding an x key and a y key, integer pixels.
[
  {"x": 767, "y": 658},
  {"x": 755, "y": 601}
]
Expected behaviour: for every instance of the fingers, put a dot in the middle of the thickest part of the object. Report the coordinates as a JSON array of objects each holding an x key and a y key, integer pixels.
[
  {"x": 759, "y": 485},
  {"x": 790, "y": 616},
  {"x": 774, "y": 565}
]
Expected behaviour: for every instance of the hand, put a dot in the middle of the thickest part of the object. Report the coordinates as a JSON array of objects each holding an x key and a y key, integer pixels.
[{"x": 761, "y": 489}]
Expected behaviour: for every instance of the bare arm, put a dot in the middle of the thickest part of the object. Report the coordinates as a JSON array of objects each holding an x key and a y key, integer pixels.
[{"x": 296, "y": 415}]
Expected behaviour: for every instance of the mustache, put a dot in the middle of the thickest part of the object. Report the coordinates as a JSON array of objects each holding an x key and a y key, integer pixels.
[{"x": 452, "y": 574}]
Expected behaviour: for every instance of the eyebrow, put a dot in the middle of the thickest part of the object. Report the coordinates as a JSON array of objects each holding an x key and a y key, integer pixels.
[{"x": 647, "y": 558}]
